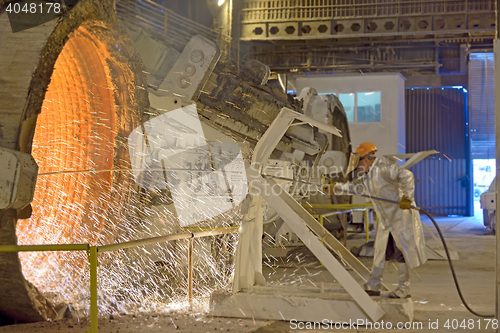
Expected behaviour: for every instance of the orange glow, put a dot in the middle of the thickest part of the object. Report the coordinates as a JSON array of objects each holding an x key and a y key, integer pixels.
[
  {"x": 75, "y": 131},
  {"x": 95, "y": 99}
]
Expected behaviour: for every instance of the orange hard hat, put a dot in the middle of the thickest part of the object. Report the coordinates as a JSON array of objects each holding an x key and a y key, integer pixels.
[{"x": 366, "y": 148}]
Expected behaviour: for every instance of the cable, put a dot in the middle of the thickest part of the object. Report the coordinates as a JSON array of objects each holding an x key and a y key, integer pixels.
[
  {"x": 445, "y": 248},
  {"x": 451, "y": 267}
]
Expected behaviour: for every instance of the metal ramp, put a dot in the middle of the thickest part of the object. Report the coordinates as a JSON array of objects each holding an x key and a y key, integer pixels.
[
  {"x": 321, "y": 232},
  {"x": 311, "y": 232},
  {"x": 306, "y": 227}
]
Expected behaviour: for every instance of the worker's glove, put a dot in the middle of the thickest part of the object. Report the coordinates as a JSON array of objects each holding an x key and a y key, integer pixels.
[
  {"x": 329, "y": 188},
  {"x": 405, "y": 203}
]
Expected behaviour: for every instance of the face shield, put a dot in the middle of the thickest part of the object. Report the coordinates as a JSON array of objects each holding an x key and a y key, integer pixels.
[{"x": 353, "y": 163}]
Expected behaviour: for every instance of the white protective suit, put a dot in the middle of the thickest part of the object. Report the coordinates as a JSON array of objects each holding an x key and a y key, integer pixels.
[{"x": 390, "y": 181}]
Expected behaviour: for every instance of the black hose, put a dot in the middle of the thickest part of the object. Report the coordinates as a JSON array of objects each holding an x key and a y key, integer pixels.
[
  {"x": 445, "y": 248},
  {"x": 452, "y": 269}
]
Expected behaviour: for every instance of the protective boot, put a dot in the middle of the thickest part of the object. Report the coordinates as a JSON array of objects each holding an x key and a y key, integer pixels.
[
  {"x": 372, "y": 287},
  {"x": 403, "y": 289}
]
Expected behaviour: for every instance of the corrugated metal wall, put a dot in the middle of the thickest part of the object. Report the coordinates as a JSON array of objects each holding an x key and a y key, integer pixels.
[
  {"x": 436, "y": 119},
  {"x": 482, "y": 104}
]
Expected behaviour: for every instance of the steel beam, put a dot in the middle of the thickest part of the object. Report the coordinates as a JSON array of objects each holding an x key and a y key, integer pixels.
[
  {"x": 496, "y": 46},
  {"x": 299, "y": 220}
]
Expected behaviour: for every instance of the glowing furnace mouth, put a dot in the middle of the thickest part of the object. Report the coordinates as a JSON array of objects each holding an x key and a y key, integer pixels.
[{"x": 76, "y": 130}]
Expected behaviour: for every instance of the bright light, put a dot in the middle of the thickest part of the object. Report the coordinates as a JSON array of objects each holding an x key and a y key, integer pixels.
[{"x": 221, "y": 2}]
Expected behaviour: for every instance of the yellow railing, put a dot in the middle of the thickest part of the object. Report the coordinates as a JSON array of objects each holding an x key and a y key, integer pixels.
[
  {"x": 343, "y": 208},
  {"x": 93, "y": 251}
]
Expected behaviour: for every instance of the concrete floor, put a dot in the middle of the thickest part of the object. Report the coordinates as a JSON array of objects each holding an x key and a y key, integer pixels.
[{"x": 433, "y": 292}]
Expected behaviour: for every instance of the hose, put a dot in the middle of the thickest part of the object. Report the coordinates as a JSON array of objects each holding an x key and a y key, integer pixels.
[
  {"x": 445, "y": 248},
  {"x": 435, "y": 225},
  {"x": 451, "y": 267}
]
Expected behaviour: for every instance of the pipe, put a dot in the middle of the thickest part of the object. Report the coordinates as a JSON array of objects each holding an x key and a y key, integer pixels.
[
  {"x": 146, "y": 241},
  {"x": 159, "y": 239},
  {"x": 47, "y": 247},
  {"x": 496, "y": 48},
  {"x": 93, "y": 289},
  {"x": 190, "y": 272}
]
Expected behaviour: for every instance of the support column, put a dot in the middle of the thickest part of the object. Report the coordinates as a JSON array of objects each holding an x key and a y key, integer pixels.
[
  {"x": 248, "y": 268},
  {"x": 496, "y": 47}
]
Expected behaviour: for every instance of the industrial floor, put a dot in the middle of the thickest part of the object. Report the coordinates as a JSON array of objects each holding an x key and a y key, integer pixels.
[
  {"x": 433, "y": 291},
  {"x": 434, "y": 295}
]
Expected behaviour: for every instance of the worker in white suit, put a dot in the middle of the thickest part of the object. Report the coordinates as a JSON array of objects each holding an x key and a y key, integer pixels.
[{"x": 399, "y": 234}]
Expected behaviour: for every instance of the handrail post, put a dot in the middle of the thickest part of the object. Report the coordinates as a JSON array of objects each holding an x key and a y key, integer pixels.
[
  {"x": 190, "y": 272},
  {"x": 321, "y": 221},
  {"x": 344, "y": 226},
  {"x": 367, "y": 226},
  {"x": 93, "y": 289}
]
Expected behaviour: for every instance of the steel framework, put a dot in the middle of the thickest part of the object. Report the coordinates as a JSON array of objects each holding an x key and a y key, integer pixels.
[{"x": 313, "y": 19}]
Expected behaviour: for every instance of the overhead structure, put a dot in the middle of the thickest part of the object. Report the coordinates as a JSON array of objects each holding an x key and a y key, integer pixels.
[
  {"x": 293, "y": 20},
  {"x": 428, "y": 41}
]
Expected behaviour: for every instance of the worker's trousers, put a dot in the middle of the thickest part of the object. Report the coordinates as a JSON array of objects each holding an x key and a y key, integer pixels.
[{"x": 375, "y": 281}]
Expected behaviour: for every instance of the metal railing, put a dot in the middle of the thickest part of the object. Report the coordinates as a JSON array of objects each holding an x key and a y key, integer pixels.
[
  {"x": 255, "y": 11},
  {"x": 342, "y": 209},
  {"x": 93, "y": 252}
]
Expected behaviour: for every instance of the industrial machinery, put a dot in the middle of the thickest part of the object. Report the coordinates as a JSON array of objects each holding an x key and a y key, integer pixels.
[
  {"x": 232, "y": 110},
  {"x": 193, "y": 177},
  {"x": 211, "y": 134},
  {"x": 216, "y": 136},
  {"x": 17, "y": 179},
  {"x": 204, "y": 149}
]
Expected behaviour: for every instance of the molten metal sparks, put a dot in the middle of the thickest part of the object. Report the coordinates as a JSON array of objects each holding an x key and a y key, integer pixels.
[{"x": 79, "y": 130}]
